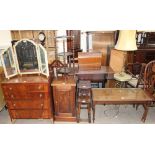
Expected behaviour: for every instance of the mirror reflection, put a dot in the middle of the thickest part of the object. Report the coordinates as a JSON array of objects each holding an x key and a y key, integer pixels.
[
  {"x": 26, "y": 55},
  {"x": 9, "y": 62},
  {"x": 43, "y": 60}
]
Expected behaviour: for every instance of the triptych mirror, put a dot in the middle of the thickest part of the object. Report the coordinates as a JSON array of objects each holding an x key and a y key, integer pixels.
[{"x": 26, "y": 57}]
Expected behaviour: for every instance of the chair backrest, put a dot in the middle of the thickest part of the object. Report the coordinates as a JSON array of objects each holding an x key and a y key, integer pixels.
[
  {"x": 149, "y": 77},
  {"x": 136, "y": 70}
]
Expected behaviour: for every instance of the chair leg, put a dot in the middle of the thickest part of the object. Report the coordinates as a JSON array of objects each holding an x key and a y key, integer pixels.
[
  {"x": 89, "y": 113},
  {"x": 78, "y": 112}
]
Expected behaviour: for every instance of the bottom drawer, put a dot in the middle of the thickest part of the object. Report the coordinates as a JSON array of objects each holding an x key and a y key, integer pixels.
[{"x": 17, "y": 114}]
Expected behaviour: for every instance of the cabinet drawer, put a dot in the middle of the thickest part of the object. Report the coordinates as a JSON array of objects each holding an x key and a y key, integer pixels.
[
  {"x": 38, "y": 96},
  {"x": 14, "y": 91},
  {"x": 27, "y": 104},
  {"x": 15, "y": 95},
  {"x": 37, "y": 87},
  {"x": 15, "y": 114}
]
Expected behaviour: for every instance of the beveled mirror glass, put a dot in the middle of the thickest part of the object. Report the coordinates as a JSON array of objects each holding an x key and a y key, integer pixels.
[
  {"x": 26, "y": 55},
  {"x": 43, "y": 60},
  {"x": 8, "y": 62}
]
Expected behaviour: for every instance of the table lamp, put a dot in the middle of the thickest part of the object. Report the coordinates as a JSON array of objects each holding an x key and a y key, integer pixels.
[{"x": 126, "y": 41}]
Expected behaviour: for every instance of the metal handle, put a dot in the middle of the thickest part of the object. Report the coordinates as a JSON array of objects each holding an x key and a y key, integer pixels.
[
  {"x": 12, "y": 96},
  {"x": 41, "y": 95}
]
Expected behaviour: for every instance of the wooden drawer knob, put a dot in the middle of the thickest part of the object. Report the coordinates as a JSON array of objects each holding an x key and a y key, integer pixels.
[
  {"x": 39, "y": 87},
  {"x": 10, "y": 88},
  {"x": 41, "y": 95},
  {"x": 12, "y": 96},
  {"x": 14, "y": 104}
]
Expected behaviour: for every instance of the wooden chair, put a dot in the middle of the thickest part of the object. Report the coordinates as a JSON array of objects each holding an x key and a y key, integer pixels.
[
  {"x": 149, "y": 79},
  {"x": 136, "y": 70}
]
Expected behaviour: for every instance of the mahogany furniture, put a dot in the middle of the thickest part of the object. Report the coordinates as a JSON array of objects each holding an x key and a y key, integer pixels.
[
  {"x": 73, "y": 45},
  {"x": 100, "y": 75},
  {"x": 64, "y": 98},
  {"x": 121, "y": 96},
  {"x": 84, "y": 98},
  {"x": 144, "y": 55},
  {"x": 28, "y": 97},
  {"x": 89, "y": 60}
]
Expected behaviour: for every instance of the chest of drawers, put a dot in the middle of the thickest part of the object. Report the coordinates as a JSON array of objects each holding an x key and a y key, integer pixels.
[{"x": 28, "y": 97}]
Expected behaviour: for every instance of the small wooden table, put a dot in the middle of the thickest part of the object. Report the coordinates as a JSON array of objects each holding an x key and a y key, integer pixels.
[
  {"x": 121, "y": 96},
  {"x": 106, "y": 72}
]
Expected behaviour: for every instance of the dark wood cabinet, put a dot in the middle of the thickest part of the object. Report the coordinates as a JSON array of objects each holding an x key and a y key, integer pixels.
[
  {"x": 74, "y": 43},
  {"x": 141, "y": 55},
  {"x": 64, "y": 98},
  {"x": 28, "y": 97}
]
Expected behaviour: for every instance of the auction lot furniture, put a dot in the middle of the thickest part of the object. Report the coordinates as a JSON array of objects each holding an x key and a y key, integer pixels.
[
  {"x": 122, "y": 78},
  {"x": 100, "y": 75},
  {"x": 64, "y": 98},
  {"x": 121, "y": 96},
  {"x": 84, "y": 98},
  {"x": 28, "y": 97}
]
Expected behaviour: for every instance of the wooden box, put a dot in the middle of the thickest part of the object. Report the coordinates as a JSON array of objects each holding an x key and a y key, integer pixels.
[{"x": 89, "y": 60}]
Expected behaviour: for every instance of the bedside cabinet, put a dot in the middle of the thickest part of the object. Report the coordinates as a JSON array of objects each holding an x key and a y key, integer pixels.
[
  {"x": 28, "y": 97},
  {"x": 64, "y": 98}
]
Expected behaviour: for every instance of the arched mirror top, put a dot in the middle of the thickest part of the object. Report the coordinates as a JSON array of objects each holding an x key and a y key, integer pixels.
[{"x": 27, "y": 58}]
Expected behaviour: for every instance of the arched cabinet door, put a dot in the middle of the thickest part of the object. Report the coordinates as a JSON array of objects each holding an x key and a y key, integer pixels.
[
  {"x": 8, "y": 62},
  {"x": 43, "y": 63}
]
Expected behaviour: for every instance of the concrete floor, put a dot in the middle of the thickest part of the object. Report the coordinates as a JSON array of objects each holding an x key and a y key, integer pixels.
[{"x": 109, "y": 114}]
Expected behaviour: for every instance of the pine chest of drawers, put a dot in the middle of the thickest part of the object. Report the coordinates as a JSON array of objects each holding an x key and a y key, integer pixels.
[{"x": 28, "y": 97}]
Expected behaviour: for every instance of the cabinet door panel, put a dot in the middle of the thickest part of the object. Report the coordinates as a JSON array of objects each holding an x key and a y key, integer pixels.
[{"x": 63, "y": 101}]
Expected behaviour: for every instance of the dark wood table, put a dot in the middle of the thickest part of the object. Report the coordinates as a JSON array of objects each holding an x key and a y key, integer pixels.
[
  {"x": 106, "y": 72},
  {"x": 121, "y": 96}
]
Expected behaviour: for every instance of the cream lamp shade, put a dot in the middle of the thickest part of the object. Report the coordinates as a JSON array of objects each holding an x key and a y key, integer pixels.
[{"x": 126, "y": 40}]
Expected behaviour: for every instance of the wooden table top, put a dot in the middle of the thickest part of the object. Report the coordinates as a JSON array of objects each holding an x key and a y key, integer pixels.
[
  {"x": 120, "y": 95},
  {"x": 103, "y": 70}
]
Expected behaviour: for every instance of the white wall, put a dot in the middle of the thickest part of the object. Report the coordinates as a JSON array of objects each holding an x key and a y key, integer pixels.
[
  {"x": 84, "y": 41},
  {"x": 5, "y": 38},
  {"x": 60, "y": 41}
]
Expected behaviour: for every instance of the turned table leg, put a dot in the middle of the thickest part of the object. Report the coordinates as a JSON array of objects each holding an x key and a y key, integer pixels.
[
  {"x": 145, "y": 112},
  {"x": 93, "y": 113}
]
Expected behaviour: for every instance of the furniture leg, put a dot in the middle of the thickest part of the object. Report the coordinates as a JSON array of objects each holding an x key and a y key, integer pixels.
[
  {"x": 145, "y": 112},
  {"x": 89, "y": 113},
  {"x": 93, "y": 113}
]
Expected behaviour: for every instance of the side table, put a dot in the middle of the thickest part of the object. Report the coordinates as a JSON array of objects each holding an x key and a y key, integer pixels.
[{"x": 122, "y": 78}]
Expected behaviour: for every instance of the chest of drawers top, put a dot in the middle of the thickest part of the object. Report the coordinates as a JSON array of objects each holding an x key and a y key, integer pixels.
[{"x": 26, "y": 80}]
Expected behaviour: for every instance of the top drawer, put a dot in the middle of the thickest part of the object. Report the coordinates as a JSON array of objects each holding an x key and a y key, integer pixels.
[
  {"x": 10, "y": 88},
  {"x": 37, "y": 87}
]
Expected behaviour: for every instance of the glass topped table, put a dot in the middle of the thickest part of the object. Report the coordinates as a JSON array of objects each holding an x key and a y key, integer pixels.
[
  {"x": 121, "y": 96},
  {"x": 122, "y": 78}
]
